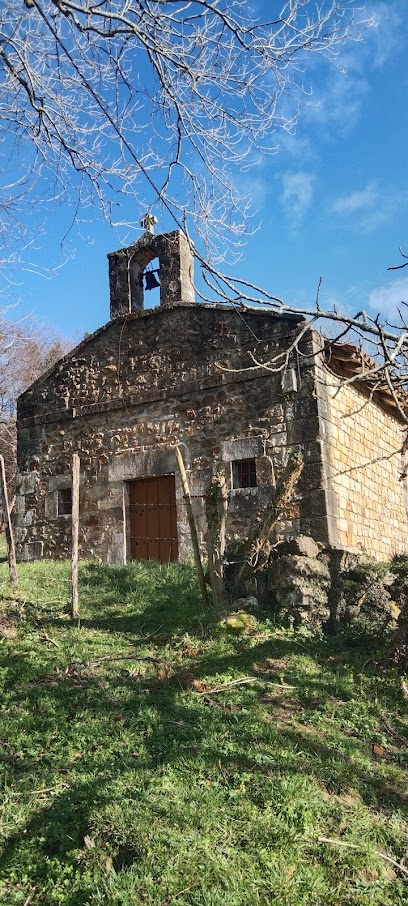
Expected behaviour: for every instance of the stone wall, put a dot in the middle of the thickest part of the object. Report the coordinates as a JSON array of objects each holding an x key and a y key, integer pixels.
[
  {"x": 183, "y": 374},
  {"x": 362, "y": 444}
]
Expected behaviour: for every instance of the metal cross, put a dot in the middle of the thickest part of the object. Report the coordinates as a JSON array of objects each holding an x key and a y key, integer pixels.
[{"x": 148, "y": 222}]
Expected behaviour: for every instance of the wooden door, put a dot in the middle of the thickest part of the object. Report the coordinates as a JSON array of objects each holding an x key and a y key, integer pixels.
[{"x": 153, "y": 519}]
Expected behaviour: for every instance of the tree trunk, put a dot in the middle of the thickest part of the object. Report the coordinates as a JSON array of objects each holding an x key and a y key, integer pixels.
[
  {"x": 75, "y": 534},
  {"x": 191, "y": 522},
  {"x": 8, "y": 525},
  {"x": 260, "y": 533},
  {"x": 216, "y": 508}
]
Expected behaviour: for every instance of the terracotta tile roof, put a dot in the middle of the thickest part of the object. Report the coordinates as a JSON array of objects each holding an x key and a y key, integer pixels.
[{"x": 348, "y": 360}]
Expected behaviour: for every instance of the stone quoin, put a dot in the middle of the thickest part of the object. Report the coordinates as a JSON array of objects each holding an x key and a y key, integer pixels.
[{"x": 183, "y": 373}]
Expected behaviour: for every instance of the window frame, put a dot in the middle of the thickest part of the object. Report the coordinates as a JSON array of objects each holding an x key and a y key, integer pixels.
[
  {"x": 64, "y": 501},
  {"x": 243, "y": 474}
]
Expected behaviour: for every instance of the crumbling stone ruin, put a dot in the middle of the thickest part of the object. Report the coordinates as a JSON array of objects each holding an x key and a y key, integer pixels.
[
  {"x": 317, "y": 585},
  {"x": 184, "y": 373}
]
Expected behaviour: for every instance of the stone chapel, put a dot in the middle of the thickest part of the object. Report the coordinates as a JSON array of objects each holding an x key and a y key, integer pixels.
[{"x": 185, "y": 373}]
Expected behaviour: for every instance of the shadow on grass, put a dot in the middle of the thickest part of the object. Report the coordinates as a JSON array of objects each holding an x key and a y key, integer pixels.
[
  {"x": 204, "y": 735},
  {"x": 140, "y": 598},
  {"x": 222, "y": 737}
]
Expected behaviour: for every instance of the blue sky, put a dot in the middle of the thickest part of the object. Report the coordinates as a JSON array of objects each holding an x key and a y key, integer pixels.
[{"x": 331, "y": 202}]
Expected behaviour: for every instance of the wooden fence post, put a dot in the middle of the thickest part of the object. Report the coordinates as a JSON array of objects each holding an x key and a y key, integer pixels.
[
  {"x": 75, "y": 534},
  {"x": 191, "y": 522},
  {"x": 8, "y": 525},
  {"x": 216, "y": 508}
]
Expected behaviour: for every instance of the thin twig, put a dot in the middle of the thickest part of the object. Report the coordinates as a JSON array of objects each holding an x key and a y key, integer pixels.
[
  {"x": 29, "y": 898},
  {"x": 368, "y": 661},
  {"x": 393, "y": 733},
  {"x": 277, "y": 685},
  {"x": 345, "y": 843},
  {"x": 46, "y": 638},
  {"x": 123, "y": 657},
  {"x": 49, "y": 789},
  {"x": 238, "y": 682},
  {"x": 180, "y": 892}
]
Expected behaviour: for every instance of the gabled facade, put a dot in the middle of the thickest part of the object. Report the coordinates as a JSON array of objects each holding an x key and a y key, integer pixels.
[{"x": 183, "y": 373}]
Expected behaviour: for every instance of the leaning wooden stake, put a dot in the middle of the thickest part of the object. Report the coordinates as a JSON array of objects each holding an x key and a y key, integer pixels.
[
  {"x": 75, "y": 534},
  {"x": 8, "y": 525},
  {"x": 259, "y": 535},
  {"x": 191, "y": 522},
  {"x": 216, "y": 508}
]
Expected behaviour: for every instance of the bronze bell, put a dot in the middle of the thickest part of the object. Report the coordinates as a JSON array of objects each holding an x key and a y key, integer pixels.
[{"x": 151, "y": 282}]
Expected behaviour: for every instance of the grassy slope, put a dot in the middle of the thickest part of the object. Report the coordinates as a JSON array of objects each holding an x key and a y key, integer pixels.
[{"x": 123, "y": 785}]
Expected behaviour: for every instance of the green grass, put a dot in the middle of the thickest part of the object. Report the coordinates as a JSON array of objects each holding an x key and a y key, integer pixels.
[{"x": 122, "y": 785}]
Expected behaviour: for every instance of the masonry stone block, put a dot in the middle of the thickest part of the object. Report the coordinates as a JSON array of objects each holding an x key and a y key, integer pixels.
[{"x": 173, "y": 390}]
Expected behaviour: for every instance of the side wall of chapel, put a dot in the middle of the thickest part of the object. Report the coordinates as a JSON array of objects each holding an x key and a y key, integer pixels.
[{"x": 364, "y": 463}]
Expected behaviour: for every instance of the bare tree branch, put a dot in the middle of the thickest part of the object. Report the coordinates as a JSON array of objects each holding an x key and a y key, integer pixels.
[
  {"x": 163, "y": 100},
  {"x": 398, "y": 267}
]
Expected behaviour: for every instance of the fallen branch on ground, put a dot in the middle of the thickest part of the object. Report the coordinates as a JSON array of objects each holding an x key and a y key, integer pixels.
[
  {"x": 240, "y": 682},
  {"x": 277, "y": 685},
  {"x": 46, "y": 638},
  {"x": 48, "y": 789},
  {"x": 401, "y": 739},
  {"x": 124, "y": 657},
  {"x": 28, "y": 899},
  {"x": 333, "y": 842}
]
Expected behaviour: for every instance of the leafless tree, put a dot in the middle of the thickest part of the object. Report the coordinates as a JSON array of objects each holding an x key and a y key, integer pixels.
[
  {"x": 378, "y": 346},
  {"x": 27, "y": 349},
  {"x": 164, "y": 100}
]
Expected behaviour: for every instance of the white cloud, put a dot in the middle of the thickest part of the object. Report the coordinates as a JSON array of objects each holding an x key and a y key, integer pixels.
[
  {"x": 298, "y": 147},
  {"x": 356, "y": 201},
  {"x": 255, "y": 188},
  {"x": 296, "y": 196},
  {"x": 338, "y": 102},
  {"x": 387, "y": 38},
  {"x": 388, "y": 299},
  {"x": 368, "y": 208},
  {"x": 339, "y": 92}
]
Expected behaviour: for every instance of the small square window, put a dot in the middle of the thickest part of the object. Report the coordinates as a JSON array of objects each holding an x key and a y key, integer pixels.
[
  {"x": 244, "y": 473},
  {"x": 64, "y": 502}
]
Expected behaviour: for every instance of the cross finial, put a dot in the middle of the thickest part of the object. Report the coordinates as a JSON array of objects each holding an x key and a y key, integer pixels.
[{"x": 148, "y": 222}]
